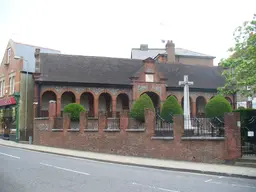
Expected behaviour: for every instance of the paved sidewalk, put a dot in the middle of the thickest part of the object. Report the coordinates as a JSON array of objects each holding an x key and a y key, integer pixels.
[{"x": 215, "y": 169}]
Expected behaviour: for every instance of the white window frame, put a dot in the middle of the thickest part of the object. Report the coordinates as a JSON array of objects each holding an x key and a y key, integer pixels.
[
  {"x": 11, "y": 84},
  {"x": 1, "y": 88},
  {"x": 8, "y": 55},
  {"x": 149, "y": 78}
]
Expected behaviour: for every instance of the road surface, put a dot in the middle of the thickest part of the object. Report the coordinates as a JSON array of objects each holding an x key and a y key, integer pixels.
[{"x": 29, "y": 171}]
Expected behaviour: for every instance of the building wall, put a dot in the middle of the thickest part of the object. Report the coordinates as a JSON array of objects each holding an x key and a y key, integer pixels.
[
  {"x": 194, "y": 61},
  {"x": 29, "y": 115},
  {"x": 141, "y": 142}
]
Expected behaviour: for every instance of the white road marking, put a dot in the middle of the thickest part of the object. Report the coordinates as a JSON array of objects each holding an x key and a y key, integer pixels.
[
  {"x": 208, "y": 180},
  {"x": 64, "y": 169},
  {"x": 247, "y": 186},
  {"x": 233, "y": 184},
  {"x": 220, "y": 177},
  {"x": 153, "y": 187},
  {"x": 10, "y": 155}
]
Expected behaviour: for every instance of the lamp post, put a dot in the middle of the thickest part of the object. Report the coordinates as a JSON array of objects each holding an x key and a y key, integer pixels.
[{"x": 26, "y": 94}]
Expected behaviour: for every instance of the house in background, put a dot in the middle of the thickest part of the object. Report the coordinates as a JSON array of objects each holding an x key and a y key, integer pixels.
[
  {"x": 17, "y": 85},
  {"x": 171, "y": 54}
]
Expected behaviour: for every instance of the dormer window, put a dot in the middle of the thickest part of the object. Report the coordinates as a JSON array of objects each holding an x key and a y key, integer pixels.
[
  {"x": 149, "y": 78},
  {"x": 8, "y": 55}
]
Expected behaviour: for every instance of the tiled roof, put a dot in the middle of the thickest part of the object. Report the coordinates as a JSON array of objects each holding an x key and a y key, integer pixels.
[
  {"x": 27, "y": 52},
  {"x": 137, "y": 53},
  {"x": 105, "y": 70}
]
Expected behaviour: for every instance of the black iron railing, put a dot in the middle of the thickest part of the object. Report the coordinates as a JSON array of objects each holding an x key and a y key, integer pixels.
[
  {"x": 204, "y": 127},
  {"x": 163, "y": 128}
]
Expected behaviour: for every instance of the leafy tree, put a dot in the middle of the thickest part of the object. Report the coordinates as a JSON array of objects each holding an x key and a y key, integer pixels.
[
  {"x": 143, "y": 102},
  {"x": 171, "y": 107},
  {"x": 217, "y": 107},
  {"x": 74, "y": 109},
  {"x": 240, "y": 67}
]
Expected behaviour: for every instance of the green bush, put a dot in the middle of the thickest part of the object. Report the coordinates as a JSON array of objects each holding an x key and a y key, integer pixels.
[
  {"x": 138, "y": 107},
  {"x": 171, "y": 107},
  {"x": 217, "y": 107},
  {"x": 74, "y": 109}
]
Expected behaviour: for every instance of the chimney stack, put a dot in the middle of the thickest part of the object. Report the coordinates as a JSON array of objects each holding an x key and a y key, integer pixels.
[
  {"x": 37, "y": 59},
  {"x": 170, "y": 49}
]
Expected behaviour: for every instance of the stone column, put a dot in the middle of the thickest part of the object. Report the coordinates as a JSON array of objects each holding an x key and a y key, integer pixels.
[
  {"x": 77, "y": 100},
  {"x": 96, "y": 107},
  {"x": 66, "y": 123},
  {"x": 114, "y": 107},
  {"x": 52, "y": 114},
  {"x": 58, "y": 103},
  {"x": 102, "y": 122},
  {"x": 194, "y": 109},
  {"x": 233, "y": 149},
  {"x": 178, "y": 127},
  {"x": 124, "y": 121},
  {"x": 150, "y": 122},
  {"x": 83, "y": 122}
]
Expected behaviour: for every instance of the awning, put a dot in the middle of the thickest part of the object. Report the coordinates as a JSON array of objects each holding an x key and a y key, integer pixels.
[{"x": 7, "y": 101}]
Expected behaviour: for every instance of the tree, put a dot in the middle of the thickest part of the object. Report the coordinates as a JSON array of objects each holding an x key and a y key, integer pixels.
[
  {"x": 171, "y": 107},
  {"x": 143, "y": 102},
  {"x": 74, "y": 109},
  {"x": 240, "y": 67},
  {"x": 217, "y": 107}
]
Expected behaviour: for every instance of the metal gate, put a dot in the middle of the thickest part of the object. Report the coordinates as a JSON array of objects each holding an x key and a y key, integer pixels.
[
  {"x": 8, "y": 122},
  {"x": 248, "y": 133},
  {"x": 163, "y": 128}
]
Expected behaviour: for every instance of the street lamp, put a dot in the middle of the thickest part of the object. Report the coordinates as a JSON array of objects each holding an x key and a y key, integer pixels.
[{"x": 26, "y": 93}]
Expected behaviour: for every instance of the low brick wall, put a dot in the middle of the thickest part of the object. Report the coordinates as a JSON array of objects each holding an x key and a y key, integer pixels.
[{"x": 131, "y": 139}]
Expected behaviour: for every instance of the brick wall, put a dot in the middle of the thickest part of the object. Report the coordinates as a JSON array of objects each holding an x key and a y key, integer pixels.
[{"x": 139, "y": 141}]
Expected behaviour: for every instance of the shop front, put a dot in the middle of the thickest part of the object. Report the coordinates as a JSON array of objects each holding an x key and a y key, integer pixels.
[{"x": 8, "y": 117}]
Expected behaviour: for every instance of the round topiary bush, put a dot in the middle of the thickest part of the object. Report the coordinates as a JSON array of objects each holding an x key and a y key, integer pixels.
[
  {"x": 171, "y": 107},
  {"x": 138, "y": 107},
  {"x": 74, "y": 109},
  {"x": 217, "y": 107}
]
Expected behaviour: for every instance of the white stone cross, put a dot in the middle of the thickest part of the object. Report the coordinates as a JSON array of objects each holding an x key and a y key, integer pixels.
[{"x": 186, "y": 101}]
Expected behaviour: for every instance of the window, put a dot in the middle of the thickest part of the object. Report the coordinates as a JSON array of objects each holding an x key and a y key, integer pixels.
[
  {"x": 8, "y": 55},
  {"x": 11, "y": 84},
  {"x": 2, "y": 88},
  {"x": 149, "y": 78}
]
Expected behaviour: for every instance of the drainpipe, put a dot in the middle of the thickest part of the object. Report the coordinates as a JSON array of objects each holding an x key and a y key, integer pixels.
[
  {"x": 17, "y": 99},
  {"x": 38, "y": 100}
]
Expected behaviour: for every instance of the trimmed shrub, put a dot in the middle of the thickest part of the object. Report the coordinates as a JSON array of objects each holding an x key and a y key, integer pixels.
[
  {"x": 171, "y": 107},
  {"x": 138, "y": 107},
  {"x": 217, "y": 107},
  {"x": 74, "y": 109}
]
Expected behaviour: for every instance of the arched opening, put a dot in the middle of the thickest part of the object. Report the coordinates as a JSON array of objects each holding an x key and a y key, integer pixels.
[
  {"x": 190, "y": 104},
  {"x": 67, "y": 98},
  {"x": 87, "y": 100},
  {"x": 173, "y": 96},
  {"x": 200, "y": 106},
  {"x": 122, "y": 103},
  {"x": 155, "y": 99},
  {"x": 105, "y": 103},
  {"x": 46, "y": 97},
  {"x": 229, "y": 100}
]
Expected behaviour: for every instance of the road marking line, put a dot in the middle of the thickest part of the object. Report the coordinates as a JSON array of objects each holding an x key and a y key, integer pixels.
[
  {"x": 208, "y": 180},
  {"x": 153, "y": 187},
  {"x": 247, "y": 186},
  {"x": 10, "y": 155},
  {"x": 64, "y": 169},
  {"x": 220, "y": 177}
]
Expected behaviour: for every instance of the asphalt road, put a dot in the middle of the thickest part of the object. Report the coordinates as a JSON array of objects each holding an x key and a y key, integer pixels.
[{"x": 28, "y": 171}]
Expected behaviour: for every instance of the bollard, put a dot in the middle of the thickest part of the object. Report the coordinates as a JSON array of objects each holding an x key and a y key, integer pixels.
[{"x": 30, "y": 139}]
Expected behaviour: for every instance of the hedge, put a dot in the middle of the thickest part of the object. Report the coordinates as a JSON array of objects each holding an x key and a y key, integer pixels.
[
  {"x": 137, "y": 111},
  {"x": 217, "y": 107},
  {"x": 74, "y": 109},
  {"x": 171, "y": 107}
]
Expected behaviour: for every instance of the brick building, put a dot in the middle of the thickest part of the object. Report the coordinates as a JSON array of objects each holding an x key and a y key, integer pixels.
[
  {"x": 113, "y": 84},
  {"x": 17, "y": 84}
]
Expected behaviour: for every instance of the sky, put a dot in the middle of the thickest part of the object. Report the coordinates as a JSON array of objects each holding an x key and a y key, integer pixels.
[{"x": 112, "y": 27}]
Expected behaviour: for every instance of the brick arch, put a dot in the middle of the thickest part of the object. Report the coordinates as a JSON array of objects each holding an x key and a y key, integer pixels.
[
  {"x": 123, "y": 92},
  {"x": 68, "y": 90},
  {"x": 49, "y": 89},
  {"x": 152, "y": 92},
  {"x": 172, "y": 95},
  {"x": 229, "y": 100},
  {"x": 91, "y": 92},
  {"x": 98, "y": 95},
  {"x": 157, "y": 103}
]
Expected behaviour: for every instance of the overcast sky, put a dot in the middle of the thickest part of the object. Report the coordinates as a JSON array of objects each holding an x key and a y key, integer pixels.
[{"x": 112, "y": 27}]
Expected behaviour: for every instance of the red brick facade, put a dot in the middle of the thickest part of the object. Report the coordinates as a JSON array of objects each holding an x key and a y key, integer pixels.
[{"x": 139, "y": 142}]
